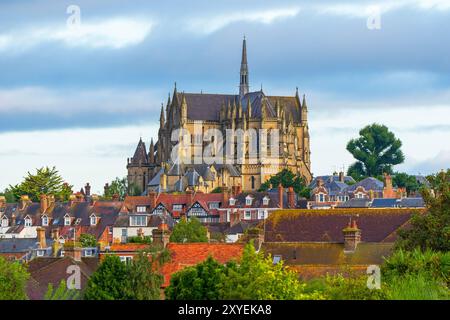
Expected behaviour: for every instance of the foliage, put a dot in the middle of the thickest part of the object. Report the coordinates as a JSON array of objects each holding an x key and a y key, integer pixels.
[
  {"x": 61, "y": 292},
  {"x": 201, "y": 282},
  {"x": 254, "y": 277},
  {"x": 87, "y": 240},
  {"x": 189, "y": 231},
  {"x": 376, "y": 151},
  {"x": 9, "y": 196},
  {"x": 432, "y": 229},
  {"x": 305, "y": 193},
  {"x": 109, "y": 281},
  {"x": 119, "y": 187},
  {"x": 350, "y": 287},
  {"x": 287, "y": 179},
  {"x": 419, "y": 286},
  {"x": 143, "y": 282},
  {"x": 137, "y": 239},
  {"x": 45, "y": 181},
  {"x": 404, "y": 180},
  {"x": 13, "y": 280},
  {"x": 404, "y": 263},
  {"x": 217, "y": 190}
]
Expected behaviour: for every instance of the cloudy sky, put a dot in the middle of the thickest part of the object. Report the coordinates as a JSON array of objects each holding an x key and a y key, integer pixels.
[{"x": 80, "y": 98}]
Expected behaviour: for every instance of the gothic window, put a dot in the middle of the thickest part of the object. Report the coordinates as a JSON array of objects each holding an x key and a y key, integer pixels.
[{"x": 252, "y": 179}]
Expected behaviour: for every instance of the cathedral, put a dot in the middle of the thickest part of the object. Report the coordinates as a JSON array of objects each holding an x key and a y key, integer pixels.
[{"x": 154, "y": 169}]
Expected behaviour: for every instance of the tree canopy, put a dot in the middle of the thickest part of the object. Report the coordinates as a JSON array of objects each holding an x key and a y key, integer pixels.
[
  {"x": 376, "y": 150},
  {"x": 254, "y": 277},
  {"x": 189, "y": 231},
  {"x": 45, "y": 181},
  {"x": 137, "y": 280},
  {"x": 287, "y": 179},
  {"x": 432, "y": 229},
  {"x": 88, "y": 240},
  {"x": 120, "y": 187},
  {"x": 13, "y": 280},
  {"x": 404, "y": 180}
]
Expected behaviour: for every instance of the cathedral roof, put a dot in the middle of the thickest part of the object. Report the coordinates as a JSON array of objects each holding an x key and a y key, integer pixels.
[
  {"x": 140, "y": 155},
  {"x": 202, "y": 106}
]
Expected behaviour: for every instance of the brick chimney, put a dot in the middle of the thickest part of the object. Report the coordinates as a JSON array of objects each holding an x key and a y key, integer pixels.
[
  {"x": 238, "y": 189},
  {"x": 55, "y": 234},
  {"x": 87, "y": 189},
  {"x": 41, "y": 237},
  {"x": 225, "y": 195},
  {"x": 50, "y": 200},
  {"x": 152, "y": 196},
  {"x": 106, "y": 188},
  {"x": 24, "y": 200},
  {"x": 13, "y": 220},
  {"x": 341, "y": 176},
  {"x": 352, "y": 237},
  {"x": 73, "y": 252},
  {"x": 280, "y": 195},
  {"x": 291, "y": 198},
  {"x": 161, "y": 235}
]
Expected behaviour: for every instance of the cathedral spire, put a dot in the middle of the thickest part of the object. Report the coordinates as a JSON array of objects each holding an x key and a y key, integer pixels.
[
  {"x": 243, "y": 86},
  {"x": 151, "y": 153},
  {"x": 162, "y": 119}
]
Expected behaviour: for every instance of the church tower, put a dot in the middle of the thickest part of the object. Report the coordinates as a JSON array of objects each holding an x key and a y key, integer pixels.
[{"x": 243, "y": 86}]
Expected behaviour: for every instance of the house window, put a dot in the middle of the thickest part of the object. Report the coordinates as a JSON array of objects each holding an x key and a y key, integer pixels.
[
  {"x": 141, "y": 209},
  {"x": 126, "y": 259},
  {"x": 4, "y": 222},
  {"x": 266, "y": 201},
  {"x": 45, "y": 221},
  {"x": 40, "y": 253},
  {"x": 232, "y": 201},
  {"x": 276, "y": 258},
  {"x": 28, "y": 222},
  {"x": 67, "y": 221},
  {"x": 214, "y": 205},
  {"x": 262, "y": 214},
  {"x": 93, "y": 220},
  {"x": 320, "y": 197},
  {"x": 88, "y": 253},
  {"x": 177, "y": 207},
  {"x": 138, "y": 221},
  {"x": 248, "y": 201},
  {"x": 247, "y": 215}
]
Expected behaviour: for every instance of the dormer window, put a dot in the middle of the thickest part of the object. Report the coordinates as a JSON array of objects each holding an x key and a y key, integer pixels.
[
  {"x": 67, "y": 220},
  {"x": 177, "y": 207},
  {"x": 93, "y": 220},
  {"x": 5, "y": 222},
  {"x": 232, "y": 201},
  {"x": 28, "y": 222},
  {"x": 266, "y": 201},
  {"x": 138, "y": 221},
  {"x": 320, "y": 197},
  {"x": 248, "y": 201},
  {"x": 141, "y": 209},
  {"x": 44, "y": 221}
]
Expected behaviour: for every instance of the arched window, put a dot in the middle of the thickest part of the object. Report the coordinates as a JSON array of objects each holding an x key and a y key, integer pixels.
[{"x": 253, "y": 182}]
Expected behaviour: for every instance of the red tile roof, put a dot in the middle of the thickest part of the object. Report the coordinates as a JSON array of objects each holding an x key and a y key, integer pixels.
[
  {"x": 188, "y": 254},
  {"x": 128, "y": 247}
]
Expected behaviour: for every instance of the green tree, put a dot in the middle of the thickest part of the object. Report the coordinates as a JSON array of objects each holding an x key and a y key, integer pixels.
[
  {"x": 287, "y": 179},
  {"x": 88, "y": 240},
  {"x": 144, "y": 282},
  {"x": 189, "y": 231},
  {"x": 404, "y": 180},
  {"x": 109, "y": 281},
  {"x": 376, "y": 151},
  {"x": 201, "y": 282},
  {"x": 431, "y": 230},
  {"x": 257, "y": 278},
  {"x": 121, "y": 188},
  {"x": 13, "y": 280},
  {"x": 61, "y": 292},
  {"x": 254, "y": 277},
  {"x": 9, "y": 196},
  {"x": 137, "y": 239},
  {"x": 45, "y": 181}
]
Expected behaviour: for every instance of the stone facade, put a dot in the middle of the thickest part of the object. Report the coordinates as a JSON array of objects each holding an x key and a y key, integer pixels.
[{"x": 195, "y": 113}]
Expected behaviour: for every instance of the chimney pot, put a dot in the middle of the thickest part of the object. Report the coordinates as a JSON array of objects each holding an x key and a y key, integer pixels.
[
  {"x": 352, "y": 237},
  {"x": 280, "y": 195},
  {"x": 41, "y": 237}
]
